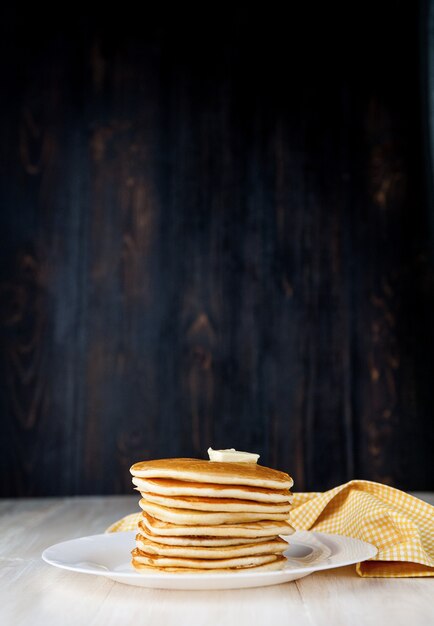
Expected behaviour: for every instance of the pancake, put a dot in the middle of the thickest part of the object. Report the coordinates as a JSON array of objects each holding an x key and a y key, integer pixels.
[
  {"x": 273, "y": 546},
  {"x": 200, "y": 471},
  {"x": 163, "y": 561},
  {"x": 170, "y": 487},
  {"x": 278, "y": 563},
  {"x": 199, "y": 541},
  {"x": 207, "y": 516},
  {"x": 263, "y": 528},
  {"x": 189, "y": 517},
  {"x": 216, "y": 504}
]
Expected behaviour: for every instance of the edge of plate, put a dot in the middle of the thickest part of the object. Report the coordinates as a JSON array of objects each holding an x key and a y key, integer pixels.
[{"x": 211, "y": 576}]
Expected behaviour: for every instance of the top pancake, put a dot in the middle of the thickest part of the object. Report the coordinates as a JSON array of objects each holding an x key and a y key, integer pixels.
[{"x": 200, "y": 471}]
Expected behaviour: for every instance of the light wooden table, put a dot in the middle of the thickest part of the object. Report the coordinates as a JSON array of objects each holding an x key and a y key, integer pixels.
[{"x": 32, "y": 592}]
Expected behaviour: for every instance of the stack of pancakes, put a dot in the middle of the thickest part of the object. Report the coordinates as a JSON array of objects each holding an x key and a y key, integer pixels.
[{"x": 208, "y": 516}]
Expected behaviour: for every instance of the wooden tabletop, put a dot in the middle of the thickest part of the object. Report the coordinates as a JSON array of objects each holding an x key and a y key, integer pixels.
[{"x": 32, "y": 592}]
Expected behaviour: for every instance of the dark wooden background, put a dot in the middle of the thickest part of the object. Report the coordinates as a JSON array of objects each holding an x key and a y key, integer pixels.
[{"x": 215, "y": 231}]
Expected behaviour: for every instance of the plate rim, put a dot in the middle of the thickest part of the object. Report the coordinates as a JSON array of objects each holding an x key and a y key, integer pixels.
[{"x": 161, "y": 576}]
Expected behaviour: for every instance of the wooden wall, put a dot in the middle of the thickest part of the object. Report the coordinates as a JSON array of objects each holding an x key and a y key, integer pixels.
[{"x": 214, "y": 231}]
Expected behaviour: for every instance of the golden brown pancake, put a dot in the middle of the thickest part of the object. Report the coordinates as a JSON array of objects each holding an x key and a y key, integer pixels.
[
  {"x": 216, "y": 504},
  {"x": 198, "y": 470},
  {"x": 170, "y": 487},
  {"x": 277, "y": 564},
  {"x": 252, "y": 529},
  {"x": 273, "y": 546},
  {"x": 199, "y": 541},
  {"x": 163, "y": 561},
  {"x": 189, "y": 517}
]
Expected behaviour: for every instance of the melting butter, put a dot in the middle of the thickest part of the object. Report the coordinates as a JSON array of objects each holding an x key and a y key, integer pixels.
[{"x": 230, "y": 455}]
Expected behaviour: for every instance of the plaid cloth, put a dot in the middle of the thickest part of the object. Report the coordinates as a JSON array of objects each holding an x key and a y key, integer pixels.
[{"x": 399, "y": 525}]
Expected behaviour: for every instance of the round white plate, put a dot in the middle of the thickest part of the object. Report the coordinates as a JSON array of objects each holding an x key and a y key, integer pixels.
[{"x": 109, "y": 555}]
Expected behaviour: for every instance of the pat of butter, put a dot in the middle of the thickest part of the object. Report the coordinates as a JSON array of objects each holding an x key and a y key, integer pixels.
[{"x": 230, "y": 455}]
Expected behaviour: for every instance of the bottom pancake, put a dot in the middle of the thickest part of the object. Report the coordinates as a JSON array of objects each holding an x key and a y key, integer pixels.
[
  {"x": 276, "y": 564},
  {"x": 236, "y": 562}
]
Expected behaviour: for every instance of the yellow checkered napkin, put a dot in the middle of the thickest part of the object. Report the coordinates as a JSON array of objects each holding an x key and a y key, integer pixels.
[{"x": 399, "y": 525}]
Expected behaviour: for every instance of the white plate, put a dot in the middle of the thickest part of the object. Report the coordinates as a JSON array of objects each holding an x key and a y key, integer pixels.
[{"x": 109, "y": 555}]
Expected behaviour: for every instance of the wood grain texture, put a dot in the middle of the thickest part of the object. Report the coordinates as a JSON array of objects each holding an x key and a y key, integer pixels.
[
  {"x": 54, "y": 596},
  {"x": 214, "y": 236}
]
